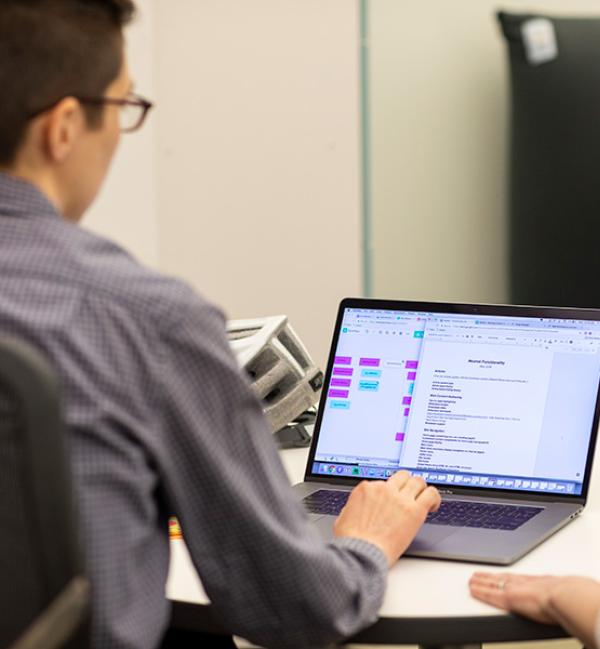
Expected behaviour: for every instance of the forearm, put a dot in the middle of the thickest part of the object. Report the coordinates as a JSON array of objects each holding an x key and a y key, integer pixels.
[
  {"x": 575, "y": 604},
  {"x": 330, "y": 594}
]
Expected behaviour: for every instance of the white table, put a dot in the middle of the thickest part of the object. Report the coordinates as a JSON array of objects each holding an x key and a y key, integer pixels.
[{"x": 427, "y": 601}]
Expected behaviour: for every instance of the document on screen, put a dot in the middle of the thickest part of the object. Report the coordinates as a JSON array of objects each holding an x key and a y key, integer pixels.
[{"x": 478, "y": 407}]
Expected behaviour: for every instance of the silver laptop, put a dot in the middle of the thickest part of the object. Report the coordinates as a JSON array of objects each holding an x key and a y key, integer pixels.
[{"x": 497, "y": 406}]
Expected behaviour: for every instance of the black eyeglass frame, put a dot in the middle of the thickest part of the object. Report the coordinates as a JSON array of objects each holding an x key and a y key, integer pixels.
[{"x": 131, "y": 100}]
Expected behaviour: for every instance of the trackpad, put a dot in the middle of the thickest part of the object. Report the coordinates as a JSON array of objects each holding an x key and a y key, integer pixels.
[
  {"x": 429, "y": 535},
  {"x": 325, "y": 527},
  {"x": 313, "y": 518}
]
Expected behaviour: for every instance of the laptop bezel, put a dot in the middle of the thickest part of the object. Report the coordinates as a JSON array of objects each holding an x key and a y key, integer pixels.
[{"x": 562, "y": 313}]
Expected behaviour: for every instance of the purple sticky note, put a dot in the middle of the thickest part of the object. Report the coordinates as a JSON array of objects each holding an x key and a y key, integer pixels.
[
  {"x": 340, "y": 383},
  {"x": 343, "y": 360},
  {"x": 343, "y": 371},
  {"x": 399, "y": 437},
  {"x": 411, "y": 376},
  {"x": 406, "y": 412},
  {"x": 406, "y": 401},
  {"x": 412, "y": 365},
  {"x": 338, "y": 394},
  {"x": 370, "y": 362}
]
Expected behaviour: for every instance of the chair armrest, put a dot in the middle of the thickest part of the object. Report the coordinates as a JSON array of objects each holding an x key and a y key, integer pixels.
[{"x": 60, "y": 619}]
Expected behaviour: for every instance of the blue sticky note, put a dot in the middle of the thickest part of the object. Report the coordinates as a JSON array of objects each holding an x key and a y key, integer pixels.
[
  {"x": 370, "y": 386},
  {"x": 340, "y": 405}
]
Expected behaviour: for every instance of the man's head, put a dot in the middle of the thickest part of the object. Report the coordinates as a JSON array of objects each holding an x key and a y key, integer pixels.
[{"x": 56, "y": 56}]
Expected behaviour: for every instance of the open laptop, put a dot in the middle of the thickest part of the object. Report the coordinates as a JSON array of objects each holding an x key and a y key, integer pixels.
[{"x": 497, "y": 406}]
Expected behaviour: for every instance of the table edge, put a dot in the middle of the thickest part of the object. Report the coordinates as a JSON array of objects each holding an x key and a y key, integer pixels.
[{"x": 405, "y": 630}]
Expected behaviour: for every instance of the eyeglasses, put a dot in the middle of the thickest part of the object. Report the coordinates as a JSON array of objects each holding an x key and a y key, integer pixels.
[
  {"x": 133, "y": 109},
  {"x": 132, "y": 115}
]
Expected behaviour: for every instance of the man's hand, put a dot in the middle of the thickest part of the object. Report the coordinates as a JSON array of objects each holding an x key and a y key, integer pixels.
[{"x": 388, "y": 514}]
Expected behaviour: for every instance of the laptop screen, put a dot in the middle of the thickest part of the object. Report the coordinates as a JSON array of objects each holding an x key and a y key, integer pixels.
[{"x": 492, "y": 401}]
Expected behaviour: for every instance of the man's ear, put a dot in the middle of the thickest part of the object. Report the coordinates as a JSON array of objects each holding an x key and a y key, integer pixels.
[{"x": 64, "y": 124}]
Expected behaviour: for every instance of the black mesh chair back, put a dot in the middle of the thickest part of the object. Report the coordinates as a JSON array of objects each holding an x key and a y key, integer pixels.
[{"x": 39, "y": 553}]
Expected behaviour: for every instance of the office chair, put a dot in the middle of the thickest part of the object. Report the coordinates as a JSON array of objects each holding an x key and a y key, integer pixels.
[{"x": 44, "y": 597}]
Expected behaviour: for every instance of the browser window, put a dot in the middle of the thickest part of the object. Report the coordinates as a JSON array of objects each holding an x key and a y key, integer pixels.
[{"x": 494, "y": 401}]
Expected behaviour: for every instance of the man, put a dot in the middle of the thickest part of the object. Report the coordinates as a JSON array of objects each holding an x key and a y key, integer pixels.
[{"x": 161, "y": 422}]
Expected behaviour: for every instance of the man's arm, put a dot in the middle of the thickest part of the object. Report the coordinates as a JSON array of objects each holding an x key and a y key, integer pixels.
[
  {"x": 571, "y": 602},
  {"x": 265, "y": 569}
]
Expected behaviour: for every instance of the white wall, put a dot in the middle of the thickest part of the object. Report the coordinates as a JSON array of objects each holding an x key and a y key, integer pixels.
[
  {"x": 259, "y": 167},
  {"x": 246, "y": 179},
  {"x": 439, "y": 106}
]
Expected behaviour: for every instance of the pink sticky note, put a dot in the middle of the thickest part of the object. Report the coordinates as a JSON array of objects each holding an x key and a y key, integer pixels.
[{"x": 338, "y": 394}]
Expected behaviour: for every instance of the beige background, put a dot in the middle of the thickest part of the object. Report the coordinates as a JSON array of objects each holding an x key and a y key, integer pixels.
[{"x": 246, "y": 180}]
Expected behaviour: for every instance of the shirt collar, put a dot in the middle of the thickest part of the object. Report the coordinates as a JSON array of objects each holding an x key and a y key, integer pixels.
[{"x": 19, "y": 197}]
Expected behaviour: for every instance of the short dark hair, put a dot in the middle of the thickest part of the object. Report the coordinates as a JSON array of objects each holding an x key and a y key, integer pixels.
[{"x": 51, "y": 49}]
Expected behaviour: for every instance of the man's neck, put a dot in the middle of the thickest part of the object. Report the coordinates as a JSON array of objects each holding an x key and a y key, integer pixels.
[{"x": 41, "y": 181}]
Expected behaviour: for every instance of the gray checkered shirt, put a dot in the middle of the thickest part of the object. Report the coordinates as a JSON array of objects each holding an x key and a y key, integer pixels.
[{"x": 163, "y": 423}]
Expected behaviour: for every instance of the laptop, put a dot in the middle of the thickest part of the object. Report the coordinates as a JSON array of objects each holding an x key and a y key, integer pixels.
[{"x": 497, "y": 406}]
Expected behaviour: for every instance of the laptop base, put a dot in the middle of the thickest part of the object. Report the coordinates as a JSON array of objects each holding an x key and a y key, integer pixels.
[{"x": 490, "y": 546}]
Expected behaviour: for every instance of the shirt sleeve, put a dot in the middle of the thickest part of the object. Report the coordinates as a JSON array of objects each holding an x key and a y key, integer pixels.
[{"x": 265, "y": 569}]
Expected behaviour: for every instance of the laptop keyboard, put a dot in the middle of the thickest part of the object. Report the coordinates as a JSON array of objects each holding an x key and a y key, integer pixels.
[
  {"x": 492, "y": 516},
  {"x": 456, "y": 513},
  {"x": 326, "y": 501}
]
